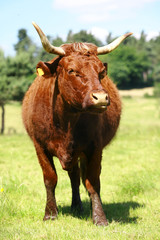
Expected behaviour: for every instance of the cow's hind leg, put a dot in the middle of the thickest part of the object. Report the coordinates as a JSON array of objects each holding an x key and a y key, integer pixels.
[
  {"x": 50, "y": 181},
  {"x": 74, "y": 175},
  {"x": 92, "y": 184}
]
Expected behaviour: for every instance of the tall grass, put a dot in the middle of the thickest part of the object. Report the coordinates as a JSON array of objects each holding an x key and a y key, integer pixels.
[{"x": 130, "y": 183}]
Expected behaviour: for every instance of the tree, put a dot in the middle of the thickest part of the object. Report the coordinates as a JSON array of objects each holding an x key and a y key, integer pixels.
[
  {"x": 24, "y": 42},
  {"x": 109, "y": 38},
  {"x": 83, "y": 36},
  {"x": 4, "y": 90},
  {"x": 127, "y": 67},
  {"x": 4, "y": 97},
  {"x": 16, "y": 73},
  {"x": 57, "y": 41},
  {"x": 69, "y": 36},
  {"x": 142, "y": 40}
]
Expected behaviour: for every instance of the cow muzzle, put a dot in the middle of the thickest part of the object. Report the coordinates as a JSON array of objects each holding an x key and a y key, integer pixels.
[{"x": 99, "y": 100}]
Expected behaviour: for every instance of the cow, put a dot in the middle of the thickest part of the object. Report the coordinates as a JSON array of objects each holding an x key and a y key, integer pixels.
[{"x": 72, "y": 111}]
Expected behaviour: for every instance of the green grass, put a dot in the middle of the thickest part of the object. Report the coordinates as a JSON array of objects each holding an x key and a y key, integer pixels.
[{"x": 130, "y": 183}]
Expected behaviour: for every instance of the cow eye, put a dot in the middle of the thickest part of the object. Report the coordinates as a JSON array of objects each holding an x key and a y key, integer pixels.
[{"x": 70, "y": 71}]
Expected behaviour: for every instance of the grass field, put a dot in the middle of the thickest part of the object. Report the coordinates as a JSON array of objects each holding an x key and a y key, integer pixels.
[{"x": 130, "y": 183}]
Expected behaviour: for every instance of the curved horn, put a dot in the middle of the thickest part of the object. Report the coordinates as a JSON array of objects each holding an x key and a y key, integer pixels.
[
  {"x": 110, "y": 47},
  {"x": 46, "y": 44}
]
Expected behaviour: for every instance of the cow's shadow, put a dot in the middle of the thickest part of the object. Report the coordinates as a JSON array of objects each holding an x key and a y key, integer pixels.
[{"x": 118, "y": 212}]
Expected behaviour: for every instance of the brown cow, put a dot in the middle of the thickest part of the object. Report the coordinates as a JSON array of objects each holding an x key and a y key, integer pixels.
[{"x": 72, "y": 111}]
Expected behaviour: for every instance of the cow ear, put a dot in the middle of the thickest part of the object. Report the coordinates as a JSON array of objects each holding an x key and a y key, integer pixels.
[
  {"x": 43, "y": 69},
  {"x": 48, "y": 68}
]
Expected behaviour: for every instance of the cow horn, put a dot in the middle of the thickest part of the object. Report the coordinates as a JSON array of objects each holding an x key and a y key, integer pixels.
[
  {"x": 46, "y": 44},
  {"x": 110, "y": 47}
]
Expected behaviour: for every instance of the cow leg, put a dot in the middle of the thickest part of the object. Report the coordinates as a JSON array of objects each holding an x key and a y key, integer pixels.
[
  {"x": 74, "y": 175},
  {"x": 50, "y": 181},
  {"x": 92, "y": 183}
]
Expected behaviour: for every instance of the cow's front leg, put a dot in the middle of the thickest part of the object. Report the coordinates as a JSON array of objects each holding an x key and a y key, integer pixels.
[
  {"x": 74, "y": 175},
  {"x": 92, "y": 183},
  {"x": 50, "y": 181}
]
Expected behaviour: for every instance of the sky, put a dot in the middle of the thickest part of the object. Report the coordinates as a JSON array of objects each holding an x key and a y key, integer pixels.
[{"x": 57, "y": 17}]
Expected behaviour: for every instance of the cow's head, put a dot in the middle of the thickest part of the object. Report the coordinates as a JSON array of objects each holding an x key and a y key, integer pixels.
[
  {"x": 79, "y": 79},
  {"x": 80, "y": 72}
]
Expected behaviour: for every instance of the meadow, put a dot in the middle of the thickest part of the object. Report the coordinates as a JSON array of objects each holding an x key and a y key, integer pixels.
[{"x": 130, "y": 183}]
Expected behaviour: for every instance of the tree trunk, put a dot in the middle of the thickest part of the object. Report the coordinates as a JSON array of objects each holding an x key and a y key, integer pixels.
[{"x": 3, "y": 119}]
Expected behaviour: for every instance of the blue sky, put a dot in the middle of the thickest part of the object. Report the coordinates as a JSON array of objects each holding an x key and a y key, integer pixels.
[{"x": 57, "y": 17}]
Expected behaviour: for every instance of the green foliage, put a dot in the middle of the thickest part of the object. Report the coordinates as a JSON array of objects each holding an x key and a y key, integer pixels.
[
  {"x": 4, "y": 89},
  {"x": 83, "y": 36},
  {"x": 17, "y": 73},
  {"x": 24, "y": 42},
  {"x": 57, "y": 41},
  {"x": 129, "y": 64}
]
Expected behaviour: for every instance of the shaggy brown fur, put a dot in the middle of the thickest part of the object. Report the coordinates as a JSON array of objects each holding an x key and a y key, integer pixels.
[{"x": 72, "y": 112}]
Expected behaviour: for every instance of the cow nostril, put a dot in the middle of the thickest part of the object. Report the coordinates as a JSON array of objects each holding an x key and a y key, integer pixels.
[{"x": 94, "y": 96}]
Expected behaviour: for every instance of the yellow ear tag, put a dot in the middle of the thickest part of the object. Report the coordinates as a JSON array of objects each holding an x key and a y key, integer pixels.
[{"x": 40, "y": 71}]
